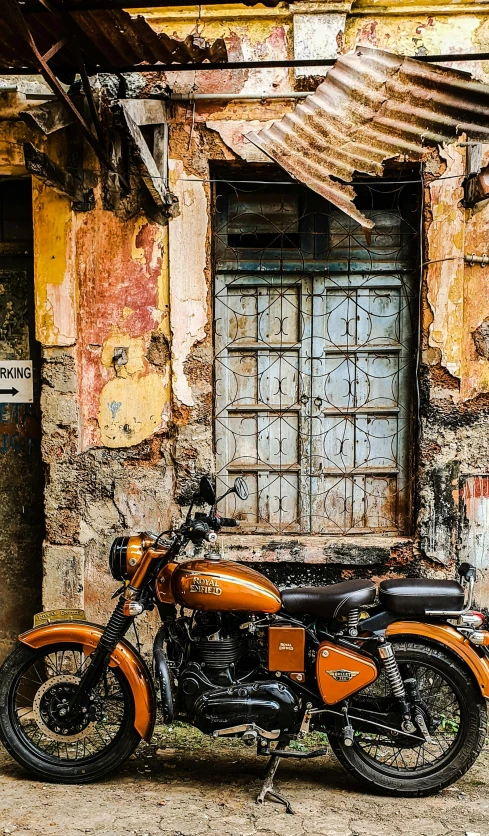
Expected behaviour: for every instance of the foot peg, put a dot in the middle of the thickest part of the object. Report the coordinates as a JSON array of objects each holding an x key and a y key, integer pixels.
[{"x": 348, "y": 736}]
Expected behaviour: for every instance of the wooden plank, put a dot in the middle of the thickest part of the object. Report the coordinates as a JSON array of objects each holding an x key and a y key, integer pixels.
[
  {"x": 54, "y": 49},
  {"x": 149, "y": 170},
  {"x": 145, "y": 111},
  {"x": 41, "y": 166},
  {"x": 49, "y": 117}
]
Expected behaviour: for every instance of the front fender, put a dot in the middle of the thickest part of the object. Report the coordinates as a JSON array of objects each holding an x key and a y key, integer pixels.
[
  {"x": 124, "y": 656},
  {"x": 453, "y": 640}
]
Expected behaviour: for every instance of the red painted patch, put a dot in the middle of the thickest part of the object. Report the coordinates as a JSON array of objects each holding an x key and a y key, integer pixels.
[
  {"x": 111, "y": 280},
  {"x": 475, "y": 487}
]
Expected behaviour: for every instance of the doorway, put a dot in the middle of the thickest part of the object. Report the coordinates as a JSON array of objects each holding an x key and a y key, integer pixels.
[{"x": 21, "y": 471}]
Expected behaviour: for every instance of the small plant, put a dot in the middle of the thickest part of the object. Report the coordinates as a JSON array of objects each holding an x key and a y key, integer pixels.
[{"x": 449, "y": 724}]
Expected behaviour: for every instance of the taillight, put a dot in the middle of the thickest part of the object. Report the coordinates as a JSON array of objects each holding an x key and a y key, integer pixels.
[{"x": 473, "y": 619}]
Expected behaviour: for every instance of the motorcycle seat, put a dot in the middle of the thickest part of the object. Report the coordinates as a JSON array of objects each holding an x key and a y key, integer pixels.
[
  {"x": 328, "y": 601},
  {"x": 416, "y": 596}
]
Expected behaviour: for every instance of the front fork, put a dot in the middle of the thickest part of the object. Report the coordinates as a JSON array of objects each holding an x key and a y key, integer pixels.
[{"x": 116, "y": 628}]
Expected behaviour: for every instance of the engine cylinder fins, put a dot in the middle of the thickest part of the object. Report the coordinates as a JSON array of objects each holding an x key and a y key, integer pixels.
[{"x": 219, "y": 654}]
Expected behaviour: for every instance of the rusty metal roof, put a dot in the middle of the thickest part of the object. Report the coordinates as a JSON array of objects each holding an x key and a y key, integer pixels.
[
  {"x": 373, "y": 106},
  {"x": 108, "y": 38}
]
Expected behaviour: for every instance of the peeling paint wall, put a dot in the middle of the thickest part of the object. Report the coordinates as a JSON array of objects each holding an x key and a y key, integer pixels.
[
  {"x": 124, "y": 315},
  {"x": 188, "y": 290}
]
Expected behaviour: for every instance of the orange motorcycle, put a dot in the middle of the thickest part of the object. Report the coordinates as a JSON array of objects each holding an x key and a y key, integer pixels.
[{"x": 397, "y": 684}]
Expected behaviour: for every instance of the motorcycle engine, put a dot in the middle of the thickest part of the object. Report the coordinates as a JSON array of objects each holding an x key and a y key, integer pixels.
[{"x": 216, "y": 693}]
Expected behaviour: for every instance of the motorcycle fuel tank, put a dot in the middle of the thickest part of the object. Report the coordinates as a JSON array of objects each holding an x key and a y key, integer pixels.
[{"x": 210, "y": 585}]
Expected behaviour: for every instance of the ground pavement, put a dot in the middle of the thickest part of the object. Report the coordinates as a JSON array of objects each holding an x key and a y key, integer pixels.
[{"x": 185, "y": 785}]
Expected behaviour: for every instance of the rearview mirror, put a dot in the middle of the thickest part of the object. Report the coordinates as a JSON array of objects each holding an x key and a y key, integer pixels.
[
  {"x": 206, "y": 491},
  {"x": 241, "y": 488}
]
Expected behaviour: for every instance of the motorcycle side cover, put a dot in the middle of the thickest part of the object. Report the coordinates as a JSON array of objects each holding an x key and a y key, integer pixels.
[
  {"x": 451, "y": 639},
  {"x": 124, "y": 656},
  {"x": 342, "y": 672}
]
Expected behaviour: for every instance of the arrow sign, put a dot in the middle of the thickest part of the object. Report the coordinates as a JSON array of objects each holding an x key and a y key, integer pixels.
[{"x": 16, "y": 381}]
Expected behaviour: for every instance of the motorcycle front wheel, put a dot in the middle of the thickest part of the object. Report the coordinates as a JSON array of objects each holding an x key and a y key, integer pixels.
[
  {"x": 36, "y": 729},
  {"x": 455, "y": 715}
]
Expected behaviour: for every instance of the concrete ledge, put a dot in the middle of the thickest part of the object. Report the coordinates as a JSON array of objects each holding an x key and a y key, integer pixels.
[{"x": 364, "y": 550}]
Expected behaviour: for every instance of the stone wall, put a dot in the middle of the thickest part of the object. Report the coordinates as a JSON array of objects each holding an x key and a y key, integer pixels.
[{"x": 124, "y": 316}]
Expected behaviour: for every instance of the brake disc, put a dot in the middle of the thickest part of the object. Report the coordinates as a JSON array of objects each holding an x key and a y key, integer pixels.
[{"x": 59, "y": 728}]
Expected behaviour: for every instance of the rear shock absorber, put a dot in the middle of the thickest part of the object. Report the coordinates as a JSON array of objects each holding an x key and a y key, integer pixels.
[
  {"x": 392, "y": 671},
  {"x": 394, "y": 678},
  {"x": 352, "y": 622}
]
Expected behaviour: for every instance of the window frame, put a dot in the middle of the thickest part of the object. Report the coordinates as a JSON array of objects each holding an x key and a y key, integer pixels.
[{"x": 256, "y": 536}]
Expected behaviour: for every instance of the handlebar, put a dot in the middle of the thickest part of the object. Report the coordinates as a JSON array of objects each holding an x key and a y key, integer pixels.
[
  {"x": 228, "y": 522},
  {"x": 200, "y": 527}
]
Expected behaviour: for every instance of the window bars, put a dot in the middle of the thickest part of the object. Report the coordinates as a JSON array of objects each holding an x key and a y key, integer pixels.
[{"x": 315, "y": 326}]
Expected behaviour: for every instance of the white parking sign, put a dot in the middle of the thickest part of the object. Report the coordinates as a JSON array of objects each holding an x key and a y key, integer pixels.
[{"x": 16, "y": 381}]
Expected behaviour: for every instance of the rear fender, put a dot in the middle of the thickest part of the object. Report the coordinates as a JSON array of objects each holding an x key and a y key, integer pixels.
[
  {"x": 123, "y": 656},
  {"x": 451, "y": 639}
]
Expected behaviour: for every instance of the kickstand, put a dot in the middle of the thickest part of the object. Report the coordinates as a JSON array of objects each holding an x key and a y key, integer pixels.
[{"x": 267, "y": 788}]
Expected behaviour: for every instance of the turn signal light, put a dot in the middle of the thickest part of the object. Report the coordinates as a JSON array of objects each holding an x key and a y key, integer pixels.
[
  {"x": 132, "y": 608},
  {"x": 479, "y": 637}
]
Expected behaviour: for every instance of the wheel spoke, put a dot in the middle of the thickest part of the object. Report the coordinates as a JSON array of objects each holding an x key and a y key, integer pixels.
[
  {"x": 36, "y": 700},
  {"x": 440, "y": 707}
]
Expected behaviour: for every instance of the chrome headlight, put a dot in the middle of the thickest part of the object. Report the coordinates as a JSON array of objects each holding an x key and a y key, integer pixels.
[{"x": 126, "y": 554}]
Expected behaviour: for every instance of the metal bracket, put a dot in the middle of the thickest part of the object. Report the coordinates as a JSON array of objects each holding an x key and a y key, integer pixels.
[{"x": 247, "y": 727}]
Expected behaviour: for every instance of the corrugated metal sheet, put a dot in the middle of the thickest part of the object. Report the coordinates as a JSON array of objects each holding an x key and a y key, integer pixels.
[
  {"x": 113, "y": 38},
  {"x": 372, "y": 107}
]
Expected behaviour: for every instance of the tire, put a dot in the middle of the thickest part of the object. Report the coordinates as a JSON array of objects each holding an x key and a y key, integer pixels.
[
  {"x": 467, "y": 731},
  {"x": 41, "y": 754}
]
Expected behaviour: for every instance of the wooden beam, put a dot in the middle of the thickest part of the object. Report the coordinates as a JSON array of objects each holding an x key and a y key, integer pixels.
[
  {"x": 54, "y": 49},
  {"x": 149, "y": 170},
  {"x": 19, "y": 25},
  {"x": 49, "y": 117},
  {"x": 41, "y": 166},
  {"x": 72, "y": 29}
]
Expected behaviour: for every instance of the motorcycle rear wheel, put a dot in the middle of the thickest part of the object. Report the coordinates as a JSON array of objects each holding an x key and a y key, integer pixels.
[
  {"x": 458, "y": 728},
  {"x": 34, "y": 683}
]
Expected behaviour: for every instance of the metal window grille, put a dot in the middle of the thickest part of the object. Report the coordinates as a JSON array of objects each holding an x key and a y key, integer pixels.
[{"x": 315, "y": 326}]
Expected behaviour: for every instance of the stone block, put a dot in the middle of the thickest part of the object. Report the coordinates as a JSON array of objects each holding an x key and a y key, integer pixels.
[
  {"x": 59, "y": 370},
  {"x": 63, "y": 576}
]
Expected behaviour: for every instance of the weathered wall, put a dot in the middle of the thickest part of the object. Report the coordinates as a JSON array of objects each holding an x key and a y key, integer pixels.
[
  {"x": 454, "y": 363},
  {"x": 106, "y": 425},
  {"x": 124, "y": 443}
]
